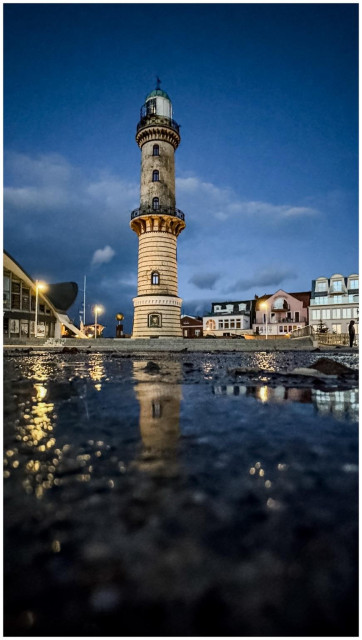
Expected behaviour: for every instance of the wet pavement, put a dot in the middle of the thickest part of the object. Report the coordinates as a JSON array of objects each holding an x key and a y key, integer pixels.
[{"x": 189, "y": 494}]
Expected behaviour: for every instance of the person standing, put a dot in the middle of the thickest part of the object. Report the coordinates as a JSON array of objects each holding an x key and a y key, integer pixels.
[{"x": 352, "y": 333}]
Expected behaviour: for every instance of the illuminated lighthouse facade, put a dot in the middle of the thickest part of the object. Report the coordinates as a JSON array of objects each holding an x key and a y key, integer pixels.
[{"x": 157, "y": 222}]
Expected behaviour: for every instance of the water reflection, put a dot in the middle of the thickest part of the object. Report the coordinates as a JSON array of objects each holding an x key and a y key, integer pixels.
[
  {"x": 34, "y": 435},
  {"x": 341, "y": 404},
  {"x": 159, "y": 417}
]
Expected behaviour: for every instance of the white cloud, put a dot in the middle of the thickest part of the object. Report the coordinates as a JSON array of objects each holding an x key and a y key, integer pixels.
[
  {"x": 102, "y": 256},
  {"x": 223, "y": 203}
]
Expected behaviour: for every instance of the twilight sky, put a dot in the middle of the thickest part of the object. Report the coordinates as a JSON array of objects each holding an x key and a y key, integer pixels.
[{"x": 266, "y": 173}]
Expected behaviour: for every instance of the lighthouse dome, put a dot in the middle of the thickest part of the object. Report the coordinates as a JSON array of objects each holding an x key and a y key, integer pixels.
[{"x": 158, "y": 92}]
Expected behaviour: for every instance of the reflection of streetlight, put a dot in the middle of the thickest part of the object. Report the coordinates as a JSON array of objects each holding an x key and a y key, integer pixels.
[
  {"x": 265, "y": 306},
  {"x": 96, "y": 309},
  {"x": 41, "y": 286}
]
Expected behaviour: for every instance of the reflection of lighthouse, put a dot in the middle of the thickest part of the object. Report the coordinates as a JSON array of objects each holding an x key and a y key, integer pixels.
[
  {"x": 159, "y": 418},
  {"x": 157, "y": 222}
]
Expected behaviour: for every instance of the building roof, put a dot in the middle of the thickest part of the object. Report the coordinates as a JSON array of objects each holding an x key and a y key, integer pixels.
[
  {"x": 303, "y": 296},
  {"x": 158, "y": 92}
]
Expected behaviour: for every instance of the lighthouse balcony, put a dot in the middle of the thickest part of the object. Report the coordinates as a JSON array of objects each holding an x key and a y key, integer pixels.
[
  {"x": 148, "y": 119},
  {"x": 165, "y": 211}
]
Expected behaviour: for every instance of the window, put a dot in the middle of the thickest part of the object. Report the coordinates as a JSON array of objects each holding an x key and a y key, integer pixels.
[
  {"x": 154, "y": 320},
  {"x": 6, "y": 292},
  {"x": 326, "y": 314},
  {"x": 155, "y": 277},
  {"x": 25, "y": 298},
  {"x": 155, "y": 204},
  {"x": 232, "y": 324},
  {"x": 280, "y": 303},
  {"x": 336, "y": 328},
  {"x": 156, "y": 150},
  {"x": 346, "y": 313},
  {"x": 316, "y": 314},
  {"x": 336, "y": 313},
  {"x": 210, "y": 324},
  {"x": 6, "y": 326},
  {"x": 226, "y": 325},
  {"x": 221, "y": 324},
  {"x": 321, "y": 286},
  {"x": 238, "y": 323},
  {"x": 280, "y": 329},
  {"x": 353, "y": 284},
  {"x": 197, "y": 332},
  {"x": 337, "y": 300},
  {"x": 15, "y": 294},
  {"x": 151, "y": 106},
  {"x": 337, "y": 285},
  {"x": 296, "y": 316},
  {"x": 155, "y": 176}
]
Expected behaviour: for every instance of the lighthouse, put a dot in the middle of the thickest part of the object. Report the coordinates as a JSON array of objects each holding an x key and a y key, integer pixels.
[{"x": 157, "y": 222}]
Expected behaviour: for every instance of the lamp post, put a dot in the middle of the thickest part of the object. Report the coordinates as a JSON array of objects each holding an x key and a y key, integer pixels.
[
  {"x": 97, "y": 309},
  {"x": 38, "y": 285},
  {"x": 265, "y": 306}
]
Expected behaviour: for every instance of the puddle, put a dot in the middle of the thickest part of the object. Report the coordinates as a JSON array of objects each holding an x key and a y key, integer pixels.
[{"x": 343, "y": 405}]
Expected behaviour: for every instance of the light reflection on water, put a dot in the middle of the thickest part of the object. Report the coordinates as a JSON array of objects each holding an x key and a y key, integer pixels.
[
  {"x": 159, "y": 418},
  {"x": 341, "y": 404}
]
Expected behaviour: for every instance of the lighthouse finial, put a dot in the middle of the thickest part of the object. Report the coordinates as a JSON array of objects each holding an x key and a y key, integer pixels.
[{"x": 158, "y": 81}]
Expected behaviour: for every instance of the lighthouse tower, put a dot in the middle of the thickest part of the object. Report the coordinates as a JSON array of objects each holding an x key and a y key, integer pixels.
[{"x": 157, "y": 222}]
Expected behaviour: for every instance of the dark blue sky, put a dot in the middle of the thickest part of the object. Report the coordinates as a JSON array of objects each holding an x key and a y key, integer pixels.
[{"x": 267, "y": 170}]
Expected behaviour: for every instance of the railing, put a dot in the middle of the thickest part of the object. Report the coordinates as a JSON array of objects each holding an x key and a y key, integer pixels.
[
  {"x": 283, "y": 308},
  {"x": 168, "y": 211},
  {"x": 151, "y": 119},
  {"x": 303, "y": 332},
  {"x": 322, "y": 300}
]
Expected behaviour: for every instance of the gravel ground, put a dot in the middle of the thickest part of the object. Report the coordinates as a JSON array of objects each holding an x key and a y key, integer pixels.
[{"x": 192, "y": 494}]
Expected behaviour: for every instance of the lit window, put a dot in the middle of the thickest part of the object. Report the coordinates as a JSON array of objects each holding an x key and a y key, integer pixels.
[
  {"x": 155, "y": 176},
  {"x": 155, "y": 204},
  {"x": 155, "y": 277},
  {"x": 156, "y": 150}
]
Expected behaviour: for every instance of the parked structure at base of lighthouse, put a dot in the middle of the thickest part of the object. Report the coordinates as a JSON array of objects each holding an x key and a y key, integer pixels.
[{"x": 157, "y": 222}]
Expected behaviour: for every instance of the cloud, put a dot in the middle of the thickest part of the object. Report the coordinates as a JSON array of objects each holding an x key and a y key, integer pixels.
[
  {"x": 224, "y": 204},
  {"x": 205, "y": 280},
  {"x": 102, "y": 256},
  {"x": 272, "y": 277}
]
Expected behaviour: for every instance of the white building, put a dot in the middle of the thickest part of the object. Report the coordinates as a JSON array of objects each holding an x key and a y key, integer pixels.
[
  {"x": 228, "y": 318},
  {"x": 335, "y": 302}
]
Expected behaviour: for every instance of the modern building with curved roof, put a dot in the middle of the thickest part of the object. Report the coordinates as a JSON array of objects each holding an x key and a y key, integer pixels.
[{"x": 20, "y": 294}]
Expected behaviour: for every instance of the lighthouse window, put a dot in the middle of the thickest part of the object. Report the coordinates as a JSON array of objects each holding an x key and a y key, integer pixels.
[
  {"x": 155, "y": 204},
  {"x": 155, "y": 277},
  {"x": 155, "y": 176},
  {"x": 156, "y": 150},
  {"x": 154, "y": 320}
]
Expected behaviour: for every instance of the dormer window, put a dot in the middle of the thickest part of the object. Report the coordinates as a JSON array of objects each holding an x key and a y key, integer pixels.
[
  {"x": 337, "y": 285},
  {"x": 155, "y": 176},
  {"x": 156, "y": 150},
  {"x": 321, "y": 285},
  {"x": 353, "y": 284},
  {"x": 155, "y": 204},
  {"x": 155, "y": 277}
]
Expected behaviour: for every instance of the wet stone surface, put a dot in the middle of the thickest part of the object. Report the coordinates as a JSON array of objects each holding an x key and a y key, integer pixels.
[{"x": 204, "y": 494}]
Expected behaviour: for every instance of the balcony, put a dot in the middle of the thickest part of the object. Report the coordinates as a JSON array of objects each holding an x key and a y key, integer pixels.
[
  {"x": 153, "y": 119},
  {"x": 327, "y": 300},
  {"x": 285, "y": 307},
  {"x": 164, "y": 211}
]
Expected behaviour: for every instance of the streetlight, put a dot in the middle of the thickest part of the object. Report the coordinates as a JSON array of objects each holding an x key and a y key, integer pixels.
[
  {"x": 265, "y": 306},
  {"x": 96, "y": 309},
  {"x": 41, "y": 286}
]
